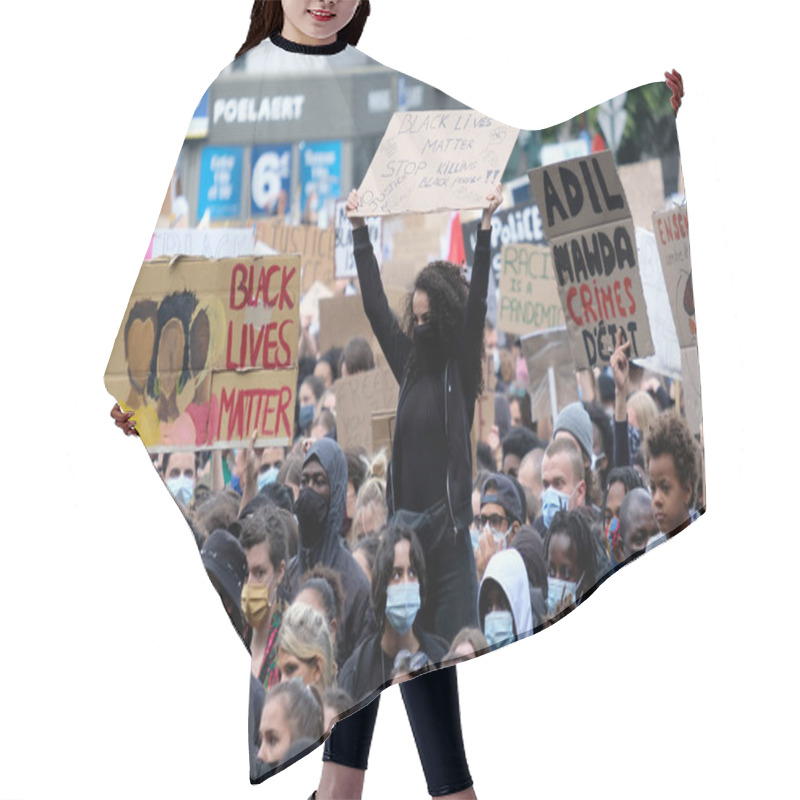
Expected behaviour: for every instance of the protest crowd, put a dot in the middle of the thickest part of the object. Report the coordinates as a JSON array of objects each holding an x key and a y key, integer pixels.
[
  {"x": 334, "y": 592},
  {"x": 298, "y": 543}
]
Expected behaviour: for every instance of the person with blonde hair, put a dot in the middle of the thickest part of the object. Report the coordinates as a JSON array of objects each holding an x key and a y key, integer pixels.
[
  {"x": 642, "y": 410},
  {"x": 305, "y": 648},
  {"x": 371, "y": 513}
]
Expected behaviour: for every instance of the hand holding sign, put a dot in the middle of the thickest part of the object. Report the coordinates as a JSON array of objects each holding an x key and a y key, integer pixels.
[
  {"x": 352, "y": 206},
  {"x": 675, "y": 83},
  {"x": 124, "y": 420}
]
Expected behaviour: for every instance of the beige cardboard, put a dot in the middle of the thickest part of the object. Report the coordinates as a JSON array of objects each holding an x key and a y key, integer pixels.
[
  {"x": 343, "y": 317},
  {"x": 584, "y": 211},
  {"x": 435, "y": 160},
  {"x": 644, "y": 190},
  {"x": 544, "y": 350},
  {"x": 671, "y": 230},
  {"x": 228, "y": 315},
  {"x": 249, "y": 401},
  {"x": 309, "y": 302},
  {"x": 382, "y": 431},
  {"x": 528, "y": 291},
  {"x": 356, "y": 399},
  {"x": 690, "y": 386},
  {"x": 579, "y": 193},
  {"x": 315, "y": 246}
]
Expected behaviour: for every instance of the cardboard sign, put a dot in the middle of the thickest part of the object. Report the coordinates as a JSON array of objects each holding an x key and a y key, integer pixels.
[
  {"x": 528, "y": 291},
  {"x": 357, "y": 397},
  {"x": 551, "y": 372},
  {"x": 315, "y": 246},
  {"x": 672, "y": 238},
  {"x": 690, "y": 386},
  {"x": 435, "y": 160},
  {"x": 344, "y": 259},
  {"x": 516, "y": 225},
  {"x": 667, "y": 357},
  {"x": 206, "y": 347},
  {"x": 644, "y": 190},
  {"x": 209, "y": 243},
  {"x": 588, "y": 224},
  {"x": 343, "y": 317}
]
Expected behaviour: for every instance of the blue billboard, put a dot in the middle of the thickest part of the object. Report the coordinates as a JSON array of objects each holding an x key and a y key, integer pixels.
[
  {"x": 271, "y": 180},
  {"x": 220, "y": 183}
]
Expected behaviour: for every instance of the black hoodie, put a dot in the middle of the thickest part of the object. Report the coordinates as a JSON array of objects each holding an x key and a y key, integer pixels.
[{"x": 330, "y": 551}]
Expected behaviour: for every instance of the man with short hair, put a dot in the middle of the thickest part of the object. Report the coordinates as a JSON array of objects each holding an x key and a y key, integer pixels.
[
  {"x": 563, "y": 478},
  {"x": 637, "y": 524},
  {"x": 499, "y": 520},
  {"x": 179, "y": 471}
]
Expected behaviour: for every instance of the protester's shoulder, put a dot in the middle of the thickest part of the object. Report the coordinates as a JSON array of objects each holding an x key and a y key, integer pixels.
[
  {"x": 433, "y": 645},
  {"x": 356, "y": 666}
]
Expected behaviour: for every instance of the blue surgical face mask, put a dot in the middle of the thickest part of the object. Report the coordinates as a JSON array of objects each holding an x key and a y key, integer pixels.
[
  {"x": 474, "y": 535},
  {"x": 552, "y": 502},
  {"x": 402, "y": 605},
  {"x": 267, "y": 477},
  {"x": 181, "y": 488},
  {"x": 557, "y": 590},
  {"x": 306, "y": 416},
  {"x": 499, "y": 538},
  {"x": 236, "y": 484},
  {"x": 498, "y": 628}
]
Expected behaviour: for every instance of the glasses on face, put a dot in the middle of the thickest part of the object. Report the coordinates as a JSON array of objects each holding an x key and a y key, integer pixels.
[{"x": 493, "y": 520}]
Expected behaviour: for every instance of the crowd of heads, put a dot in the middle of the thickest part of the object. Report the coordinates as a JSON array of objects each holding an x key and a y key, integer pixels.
[{"x": 558, "y": 503}]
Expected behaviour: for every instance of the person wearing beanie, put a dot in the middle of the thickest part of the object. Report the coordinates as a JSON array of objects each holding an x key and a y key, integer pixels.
[{"x": 573, "y": 421}]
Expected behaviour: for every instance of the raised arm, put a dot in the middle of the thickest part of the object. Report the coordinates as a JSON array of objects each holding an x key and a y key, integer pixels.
[
  {"x": 472, "y": 332},
  {"x": 619, "y": 364},
  {"x": 396, "y": 346}
]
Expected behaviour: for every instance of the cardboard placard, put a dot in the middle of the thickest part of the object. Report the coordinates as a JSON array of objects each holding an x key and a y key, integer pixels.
[
  {"x": 196, "y": 327},
  {"x": 344, "y": 259},
  {"x": 383, "y": 431},
  {"x": 528, "y": 291},
  {"x": 552, "y": 382},
  {"x": 209, "y": 243},
  {"x": 435, "y": 160},
  {"x": 588, "y": 224},
  {"x": 356, "y": 398},
  {"x": 667, "y": 357},
  {"x": 315, "y": 246},
  {"x": 343, "y": 317},
  {"x": 690, "y": 386},
  {"x": 644, "y": 190},
  {"x": 672, "y": 238}
]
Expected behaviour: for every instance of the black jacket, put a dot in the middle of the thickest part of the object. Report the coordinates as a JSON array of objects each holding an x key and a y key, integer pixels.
[
  {"x": 364, "y": 672},
  {"x": 331, "y": 552},
  {"x": 461, "y": 375}
]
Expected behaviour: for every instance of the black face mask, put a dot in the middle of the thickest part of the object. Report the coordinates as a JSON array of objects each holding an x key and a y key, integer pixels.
[
  {"x": 311, "y": 510},
  {"x": 428, "y": 346}
]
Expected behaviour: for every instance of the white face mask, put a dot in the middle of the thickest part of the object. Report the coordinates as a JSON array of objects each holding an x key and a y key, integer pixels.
[
  {"x": 499, "y": 538},
  {"x": 557, "y": 590},
  {"x": 498, "y": 628},
  {"x": 181, "y": 488}
]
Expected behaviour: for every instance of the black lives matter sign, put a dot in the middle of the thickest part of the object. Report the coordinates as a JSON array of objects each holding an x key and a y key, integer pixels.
[{"x": 588, "y": 224}]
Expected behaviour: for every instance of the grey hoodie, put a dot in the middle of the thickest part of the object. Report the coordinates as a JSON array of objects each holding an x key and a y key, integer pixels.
[{"x": 330, "y": 551}]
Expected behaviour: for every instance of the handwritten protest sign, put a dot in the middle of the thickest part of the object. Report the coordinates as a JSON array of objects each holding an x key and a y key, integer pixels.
[
  {"x": 357, "y": 397},
  {"x": 210, "y": 243},
  {"x": 345, "y": 263},
  {"x": 588, "y": 224},
  {"x": 515, "y": 225},
  {"x": 435, "y": 160},
  {"x": 690, "y": 386},
  {"x": 528, "y": 291},
  {"x": 208, "y": 348},
  {"x": 672, "y": 238},
  {"x": 551, "y": 372},
  {"x": 315, "y": 246}
]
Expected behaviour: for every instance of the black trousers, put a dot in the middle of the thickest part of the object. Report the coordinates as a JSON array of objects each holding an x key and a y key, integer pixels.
[
  {"x": 433, "y": 710},
  {"x": 431, "y": 699}
]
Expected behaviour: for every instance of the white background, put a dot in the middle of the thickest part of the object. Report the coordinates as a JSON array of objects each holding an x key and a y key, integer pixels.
[{"x": 121, "y": 676}]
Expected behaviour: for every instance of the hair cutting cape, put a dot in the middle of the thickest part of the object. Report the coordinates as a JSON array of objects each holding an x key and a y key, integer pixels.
[{"x": 592, "y": 237}]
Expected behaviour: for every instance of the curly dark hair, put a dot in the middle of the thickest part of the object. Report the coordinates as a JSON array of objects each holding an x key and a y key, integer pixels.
[
  {"x": 668, "y": 433},
  {"x": 447, "y": 291}
]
